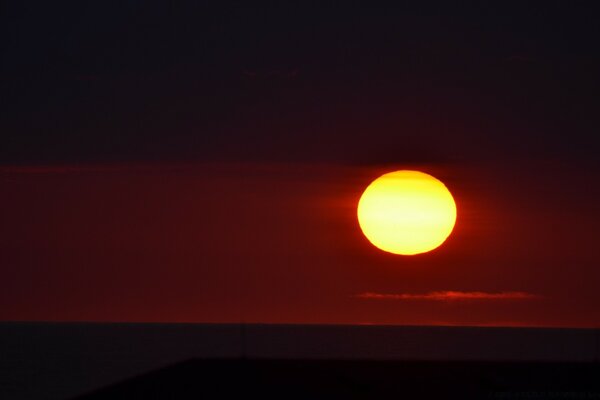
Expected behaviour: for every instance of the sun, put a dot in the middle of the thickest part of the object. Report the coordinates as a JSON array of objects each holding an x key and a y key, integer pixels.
[{"x": 406, "y": 212}]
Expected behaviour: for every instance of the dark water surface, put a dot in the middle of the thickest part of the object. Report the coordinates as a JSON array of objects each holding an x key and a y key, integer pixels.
[
  {"x": 360, "y": 379},
  {"x": 64, "y": 360}
]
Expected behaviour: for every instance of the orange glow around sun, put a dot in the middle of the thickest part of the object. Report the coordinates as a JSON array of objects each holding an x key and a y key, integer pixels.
[{"x": 406, "y": 212}]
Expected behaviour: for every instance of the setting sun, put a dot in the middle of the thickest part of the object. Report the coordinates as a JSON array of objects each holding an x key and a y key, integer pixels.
[{"x": 406, "y": 212}]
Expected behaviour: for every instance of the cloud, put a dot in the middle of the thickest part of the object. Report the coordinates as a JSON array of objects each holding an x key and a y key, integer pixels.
[
  {"x": 278, "y": 74},
  {"x": 69, "y": 169},
  {"x": 49, "y": 169},
  {"x": 449, "y": 295}
]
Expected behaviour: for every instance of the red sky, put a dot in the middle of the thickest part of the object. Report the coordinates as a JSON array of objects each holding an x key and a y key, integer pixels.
[
  {"x": 187, "y": 161},
  {"x": 280, "y": 243}
]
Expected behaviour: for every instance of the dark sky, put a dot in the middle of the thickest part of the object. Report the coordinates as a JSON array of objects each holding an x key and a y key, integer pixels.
[{"x": 178, "y": 161}]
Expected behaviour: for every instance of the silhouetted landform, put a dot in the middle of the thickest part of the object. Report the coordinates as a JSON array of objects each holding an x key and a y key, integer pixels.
[
  {"x": 353, "y": 379},
  {"x": 64, "y": 360}
]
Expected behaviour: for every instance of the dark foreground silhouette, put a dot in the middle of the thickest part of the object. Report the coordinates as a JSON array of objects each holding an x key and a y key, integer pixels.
[{"x": 319, "y": 379}]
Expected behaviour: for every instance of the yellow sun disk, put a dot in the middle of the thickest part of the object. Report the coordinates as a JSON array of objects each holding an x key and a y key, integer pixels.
[{"x": 406, "y": 212}]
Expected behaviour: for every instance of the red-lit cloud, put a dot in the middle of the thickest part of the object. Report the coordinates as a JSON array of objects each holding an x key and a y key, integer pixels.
[
  {"x": 66, "y": 169},
  {"x": 449, "y": 295}
]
